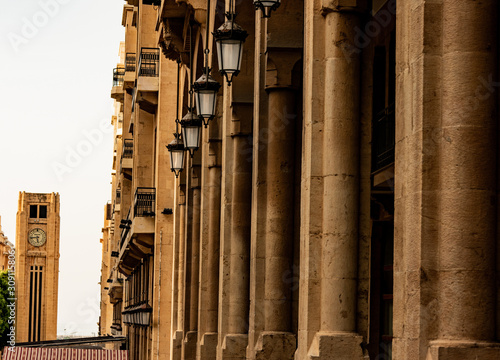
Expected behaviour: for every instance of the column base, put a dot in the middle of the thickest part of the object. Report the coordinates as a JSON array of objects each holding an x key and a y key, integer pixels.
[
  {"x": 177, "y": 345},
  {"x": 336, "y": 346},
  {"x": 233, "y": 347},
  {"x": 207, "y": 348},
  {"x": 275, "y": 345},
  {"x": 463, "y": 350},
  {"x": 189, "y": 346}
]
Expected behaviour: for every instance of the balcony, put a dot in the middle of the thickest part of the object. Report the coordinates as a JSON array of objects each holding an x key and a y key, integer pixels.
[
  {"x": 129, "y": 77},
  {"x": 117, "y": 89},
  {"x": 383, "y": 140},
  {"x": 127, "y": 159},
  {"x": 148, "y": 79},
  {"x": 115, "y": 291},
  {"x": 137, "y": 237},
  {"x": 149, "y": 62}
]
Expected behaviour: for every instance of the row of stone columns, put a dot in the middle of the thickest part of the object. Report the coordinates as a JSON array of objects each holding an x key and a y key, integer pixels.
[{"x": 443, "y": 298}]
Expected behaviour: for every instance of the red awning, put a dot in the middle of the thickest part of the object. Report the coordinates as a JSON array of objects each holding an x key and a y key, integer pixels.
[{"x": 20, "y": 353}]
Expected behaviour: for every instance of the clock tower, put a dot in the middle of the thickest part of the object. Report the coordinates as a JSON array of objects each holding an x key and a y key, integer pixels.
[{"x": 37, "y": 266}]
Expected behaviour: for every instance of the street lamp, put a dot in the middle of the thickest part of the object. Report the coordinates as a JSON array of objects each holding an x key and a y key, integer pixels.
[
  {"x": 205, "y": 90},
  {"x": 266, "y": 6},
  {"x": 229, "y": 39},
  {"x": 191, "y": 132},
  {"x": 176, "y": 147},
  {"x": 176, "y": 150}
]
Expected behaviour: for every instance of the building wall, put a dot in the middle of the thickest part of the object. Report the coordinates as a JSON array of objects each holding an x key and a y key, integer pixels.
[
  {"x": 343, "y": 202},
  {"x": 6, "y": 248}
]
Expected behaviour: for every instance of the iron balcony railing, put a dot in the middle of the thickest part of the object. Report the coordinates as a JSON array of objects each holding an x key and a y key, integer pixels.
[
  {"x": 383, "y": 138},
  {"x": 118, "y": 74},
  {"x": 149, "y": 62},
  {"x": 128, "y": 149},
  {"x": 130, "y": 62},
  {"x": 125, "y": 226},
  {"x": 144, "y": 201}
]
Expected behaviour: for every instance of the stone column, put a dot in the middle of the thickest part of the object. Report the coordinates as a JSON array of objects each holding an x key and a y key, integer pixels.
[
  {"x": 466, "y": 293},
  {"x": 182, "y": 258},
  {"x": 235, "y": 233},
  {"x": 240, "y": 237},
  {"x": 193, "y": 262},
  {"x": 209, "y": 254},
  {"x": 178, "y": 271},
  {"x": 340, "y": 175},
  {"x": 280, "y": 204},
  {"x": 276, "y": 340},
  {"x": 341, "y": 181}
]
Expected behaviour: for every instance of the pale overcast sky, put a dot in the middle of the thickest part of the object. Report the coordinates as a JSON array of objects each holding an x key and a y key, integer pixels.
[{"x": 56, "y": 62}]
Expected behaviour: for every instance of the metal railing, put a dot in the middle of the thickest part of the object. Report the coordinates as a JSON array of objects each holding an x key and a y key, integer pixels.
[
  {"x": 128, "y": 149},
  {"x": 125, "y": 226},
  {"x": 383, "y": 138},
  {"x": 144, "y": 201},
  {"x": 130, "y": 62},
  {"x": 118, "y": 74},
  {"x": 149, "y": 62}
]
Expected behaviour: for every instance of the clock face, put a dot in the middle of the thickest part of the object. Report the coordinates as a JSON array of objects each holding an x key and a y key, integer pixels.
[{"x": 37, "y": 237}]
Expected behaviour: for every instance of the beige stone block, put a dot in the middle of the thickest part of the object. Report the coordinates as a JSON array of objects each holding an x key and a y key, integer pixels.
[
  {"x": 207, "y": 348},
  {"x": 189, "y": 346},
  {"x": 463, "y": 350},
  {"x": 275, "y": 346},
  {"x": 234, "y": 347},
  {"x": 343, "y": 345}
]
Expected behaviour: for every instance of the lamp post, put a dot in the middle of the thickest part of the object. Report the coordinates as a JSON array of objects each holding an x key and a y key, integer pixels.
[
  {"x": 206, "y": 88},
  {"x": 190, "y": 123},
  {"x": 176, "y": 147},
  {"x": 266, "y": 6}
]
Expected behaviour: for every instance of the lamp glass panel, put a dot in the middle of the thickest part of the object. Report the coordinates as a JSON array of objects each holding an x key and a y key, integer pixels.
[
  {"x": 177, "y": 159},
  {"x": 231, "y": 52},
  {"x": 205, "y": 103},
  {"x": 191, "y": 136},
  {"x": 219, "y": 53}
]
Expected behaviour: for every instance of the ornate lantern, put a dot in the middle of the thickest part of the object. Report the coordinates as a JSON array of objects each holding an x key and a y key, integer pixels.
[
  {"x": 229, "y": 39},
  {"x": 191, "y": 132}
]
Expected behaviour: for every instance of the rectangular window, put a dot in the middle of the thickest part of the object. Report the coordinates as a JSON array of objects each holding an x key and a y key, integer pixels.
[
  {"x": 42, "y": 212},
  {"x": 38, "y": 211},
  {"x": 33, "y": 211}
]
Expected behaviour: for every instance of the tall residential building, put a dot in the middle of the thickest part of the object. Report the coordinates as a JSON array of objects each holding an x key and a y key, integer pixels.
[
  {"x": 343, "y": 202},
  {"x": 37, "y": 266}
]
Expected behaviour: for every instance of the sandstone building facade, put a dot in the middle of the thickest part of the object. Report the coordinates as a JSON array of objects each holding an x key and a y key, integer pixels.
[
  {"x": 37, "y": 266},
  {"x": 6, "y": 249},
  {"x": 343, "y": 203}
]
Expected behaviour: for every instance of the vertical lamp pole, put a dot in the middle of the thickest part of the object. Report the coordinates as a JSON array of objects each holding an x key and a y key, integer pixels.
[{"x": 176, "y": 147}]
